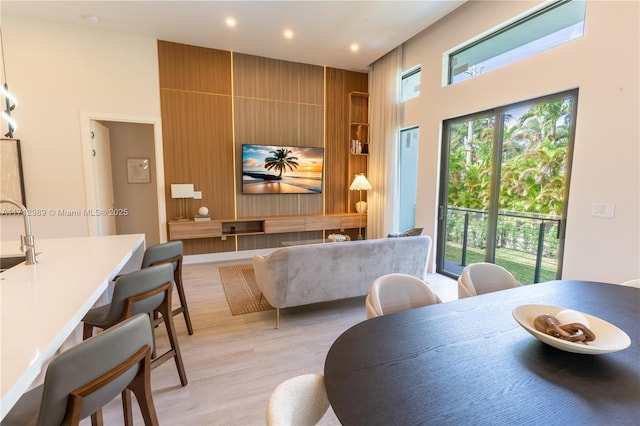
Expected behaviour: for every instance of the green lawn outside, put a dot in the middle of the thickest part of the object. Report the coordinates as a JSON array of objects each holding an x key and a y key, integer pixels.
[{"x": 521, "y": 265}]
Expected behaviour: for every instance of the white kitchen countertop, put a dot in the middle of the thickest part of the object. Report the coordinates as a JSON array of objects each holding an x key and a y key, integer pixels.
[{"x": 42, "y": 304}]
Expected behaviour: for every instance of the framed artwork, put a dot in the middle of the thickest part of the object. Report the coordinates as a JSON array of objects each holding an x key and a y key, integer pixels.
[
  {"x": 138, "y": 170},
  {"x": 11, "y": 170}
]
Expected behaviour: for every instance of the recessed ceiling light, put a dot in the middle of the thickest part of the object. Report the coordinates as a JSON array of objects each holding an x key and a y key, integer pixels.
[
  {"x": 230, "y": 22},
  {"x": 355, "y": 47},
  {"x": 288, "y": 34}
]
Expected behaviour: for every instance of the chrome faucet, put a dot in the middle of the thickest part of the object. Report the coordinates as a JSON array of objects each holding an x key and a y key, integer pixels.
[{"x": 27, "y": 244}]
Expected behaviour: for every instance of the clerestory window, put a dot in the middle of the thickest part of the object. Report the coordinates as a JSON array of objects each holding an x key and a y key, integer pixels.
[{"x": 542, "y": 29}]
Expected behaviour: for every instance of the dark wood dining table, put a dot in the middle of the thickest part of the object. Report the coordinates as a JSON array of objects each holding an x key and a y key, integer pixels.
[{"x": 468, "y": 362}]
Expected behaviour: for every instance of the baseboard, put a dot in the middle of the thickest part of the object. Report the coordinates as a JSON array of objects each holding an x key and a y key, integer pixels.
[{"x": 228, "y": 256}]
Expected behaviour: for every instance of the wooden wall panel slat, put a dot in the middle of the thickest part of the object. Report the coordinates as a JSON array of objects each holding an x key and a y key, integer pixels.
[
  {"x": 311, "y": 125},
  {"x": 198, "y": 149},
  {"x": 264, "y": 78},
  {"x": 192, "y": 68},
  {"x": 263, "y": 122},
  {"x": 311, "y": 84}
]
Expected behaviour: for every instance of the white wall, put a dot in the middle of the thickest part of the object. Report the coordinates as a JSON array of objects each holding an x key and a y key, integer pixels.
[
  {"x": 59, "y": 72},
  {"x": 603, "y": 64}
]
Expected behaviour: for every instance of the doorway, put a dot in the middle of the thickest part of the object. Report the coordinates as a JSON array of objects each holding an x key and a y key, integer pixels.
[
  {"x": 504, "y": 185},
  {"x": 134, "y": 180}
]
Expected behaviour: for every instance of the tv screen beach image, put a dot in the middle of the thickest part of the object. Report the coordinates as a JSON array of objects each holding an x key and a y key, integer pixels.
[{"x": 275, "y": 169}]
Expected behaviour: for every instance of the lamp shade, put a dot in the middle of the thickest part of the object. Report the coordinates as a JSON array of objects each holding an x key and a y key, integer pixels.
[
  {"x": 360, "y": 183},
  {"x": 181, "y": 190}
]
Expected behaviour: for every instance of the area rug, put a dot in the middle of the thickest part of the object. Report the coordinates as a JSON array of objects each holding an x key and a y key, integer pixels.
[{"x": 241, "y": 290}]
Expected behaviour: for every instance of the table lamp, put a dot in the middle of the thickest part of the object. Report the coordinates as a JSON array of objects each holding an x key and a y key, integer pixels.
[
  {"x": 182, "y": 191},
  {"x": 360, "y": 183}
]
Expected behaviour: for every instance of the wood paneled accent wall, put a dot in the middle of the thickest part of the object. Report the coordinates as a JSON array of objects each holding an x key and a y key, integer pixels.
[{"x": 214, "y": 101}]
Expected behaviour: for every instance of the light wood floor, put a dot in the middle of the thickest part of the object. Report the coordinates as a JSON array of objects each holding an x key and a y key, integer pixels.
[{"x": 234, "y": 362}]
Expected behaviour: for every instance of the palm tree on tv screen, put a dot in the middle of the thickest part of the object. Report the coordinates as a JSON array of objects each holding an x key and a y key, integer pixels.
[{"x": 281, "y": 161}]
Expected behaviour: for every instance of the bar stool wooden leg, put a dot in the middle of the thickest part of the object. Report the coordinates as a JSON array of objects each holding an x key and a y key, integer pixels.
[
  {"x": 155, "y": 321},
  {"x": 96, "y": 418},
  {"x": 126, "y": 407},
  {"x": 141, "y": 388},
  {"x": 184, "y": 309},
  {"x": 177, "y": 279},
  {"x": 173, "y": 341}
]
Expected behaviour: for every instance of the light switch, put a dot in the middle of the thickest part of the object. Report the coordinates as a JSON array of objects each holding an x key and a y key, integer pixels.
[
  {"x": 603, "y": 210},
  {"x": 197, "y": 195}
]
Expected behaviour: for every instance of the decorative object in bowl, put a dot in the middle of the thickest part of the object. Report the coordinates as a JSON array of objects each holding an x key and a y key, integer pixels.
[
  {"x": 608, "y": 337},
  {"x": 336, "y": 238}
]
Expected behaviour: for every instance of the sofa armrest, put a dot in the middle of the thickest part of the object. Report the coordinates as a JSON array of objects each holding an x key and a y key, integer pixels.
[{"x": 271, "y": 277}]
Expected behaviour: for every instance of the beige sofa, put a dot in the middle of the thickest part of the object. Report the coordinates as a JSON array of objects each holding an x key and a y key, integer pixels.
[{"x": 304, "y": 274}]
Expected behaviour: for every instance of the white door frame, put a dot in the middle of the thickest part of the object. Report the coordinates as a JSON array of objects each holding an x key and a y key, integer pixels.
[
  {"x": 85, "y": 137},
  {"x": 102, "y": 169}
]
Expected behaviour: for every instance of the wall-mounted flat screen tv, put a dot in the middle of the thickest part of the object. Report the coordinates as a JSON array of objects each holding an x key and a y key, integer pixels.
[{"x": 274, "y": 169}]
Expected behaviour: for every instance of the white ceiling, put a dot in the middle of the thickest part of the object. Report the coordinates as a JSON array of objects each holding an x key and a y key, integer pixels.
[{"x": 323, "y": 30}]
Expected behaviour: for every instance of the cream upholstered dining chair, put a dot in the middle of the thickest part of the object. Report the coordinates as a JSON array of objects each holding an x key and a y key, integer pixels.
[
  {"x": 298, "y": 401},
  {"x": 84, "y": 378},
  {"x": 632, "y": 283},
  {"x": 171, "y": 252},
  {"x": 144, "y": 291},
  {"x": 398, "y": 292},
  {"x": 482, "y": 277}
]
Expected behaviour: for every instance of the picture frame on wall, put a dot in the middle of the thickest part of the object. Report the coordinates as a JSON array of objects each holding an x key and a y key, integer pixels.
[
  {"x": 138, "y": 170},
  {"x": 11, "y": 168}
]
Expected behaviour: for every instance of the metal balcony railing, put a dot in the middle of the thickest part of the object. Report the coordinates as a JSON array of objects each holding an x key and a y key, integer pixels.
[{"x": 530, "y": 233}]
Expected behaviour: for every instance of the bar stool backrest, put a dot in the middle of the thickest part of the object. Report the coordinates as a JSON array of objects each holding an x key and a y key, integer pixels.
[
  {"x": 163, "y": 253},
  {"x": 135, "y": 283}
]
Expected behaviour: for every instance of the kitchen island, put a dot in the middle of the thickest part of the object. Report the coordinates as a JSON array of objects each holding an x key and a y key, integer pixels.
[{"x": 42, "y": 304}]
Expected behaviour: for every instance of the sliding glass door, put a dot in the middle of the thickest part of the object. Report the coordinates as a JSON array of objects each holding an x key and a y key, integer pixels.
[{"x": 504, "y": 182}]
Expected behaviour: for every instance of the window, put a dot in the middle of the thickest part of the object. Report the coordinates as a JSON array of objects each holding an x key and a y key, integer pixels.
[
  {"x": 543, "y": 29},
  {"x": 408, "y": 178},
  {"x": 410, "y": 84}
]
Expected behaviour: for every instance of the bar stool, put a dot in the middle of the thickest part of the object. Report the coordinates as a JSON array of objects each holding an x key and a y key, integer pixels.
[
  {"x": 170, "y": 252},
  {"x": 145, "y": 291},
  {"x": 81, "y": 380}
]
